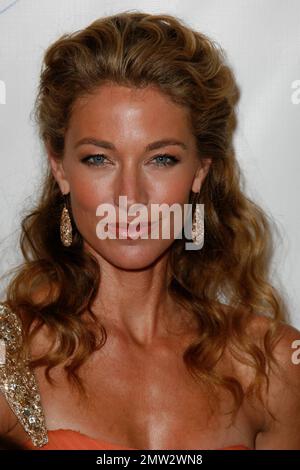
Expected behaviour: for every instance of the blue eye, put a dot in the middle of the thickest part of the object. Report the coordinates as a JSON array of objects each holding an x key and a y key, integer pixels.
[
  {"x": 172, "y": 160},
  {"x": 97, "y": 158}
]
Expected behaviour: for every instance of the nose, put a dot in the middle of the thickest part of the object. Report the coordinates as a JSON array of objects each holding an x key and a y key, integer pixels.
[{"x": 131, "y": 183}]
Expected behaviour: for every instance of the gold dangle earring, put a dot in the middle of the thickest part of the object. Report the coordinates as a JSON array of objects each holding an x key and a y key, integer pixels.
[
  {"x": 65, "y": 225},
  {"x": 198, "y": 226}
]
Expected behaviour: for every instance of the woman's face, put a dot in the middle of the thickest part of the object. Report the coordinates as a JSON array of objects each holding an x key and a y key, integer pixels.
[{"x": 95, "y": 173}]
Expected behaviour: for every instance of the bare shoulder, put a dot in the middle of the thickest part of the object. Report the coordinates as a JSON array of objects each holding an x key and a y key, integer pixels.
[
  {"x": 287, "y": 340},
  {"x": 282, "y": 431},
  {"x": 282, "y": 398},
  {"x": 286, "y": 349}
]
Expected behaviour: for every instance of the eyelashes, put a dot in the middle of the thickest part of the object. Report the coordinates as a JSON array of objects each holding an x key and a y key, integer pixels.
[
  {"x": 90, "y": 162},
  {"x": 87, "y": 161},
  {"x": 172, "y": 160}
]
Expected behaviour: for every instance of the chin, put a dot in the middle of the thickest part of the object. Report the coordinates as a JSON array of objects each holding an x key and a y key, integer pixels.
[{"x": 130, "y": 254}]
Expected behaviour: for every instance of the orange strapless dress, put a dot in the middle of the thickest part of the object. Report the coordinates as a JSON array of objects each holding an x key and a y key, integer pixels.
[{"x": 67, "y": 439}]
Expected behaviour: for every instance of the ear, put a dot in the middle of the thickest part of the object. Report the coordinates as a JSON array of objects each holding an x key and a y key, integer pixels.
[
  {"x": 56, "y": 164},
  {"x": 201, "y": 174}
]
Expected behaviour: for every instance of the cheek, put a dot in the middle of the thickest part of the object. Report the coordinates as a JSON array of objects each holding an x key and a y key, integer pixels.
[
  {"x": 175, "y": 190},
  {"x": 85, "y": 198},
  {"x": 87, "y": 195}
]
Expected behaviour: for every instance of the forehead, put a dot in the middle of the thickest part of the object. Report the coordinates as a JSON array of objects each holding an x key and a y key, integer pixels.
[{"x": 114, "y": 109}]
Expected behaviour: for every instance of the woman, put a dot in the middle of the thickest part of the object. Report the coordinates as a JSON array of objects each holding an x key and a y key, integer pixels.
[{"x": 141, "y": 343}]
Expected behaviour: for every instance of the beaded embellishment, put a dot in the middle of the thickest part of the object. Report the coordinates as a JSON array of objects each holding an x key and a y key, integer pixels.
[{"x": 17, "y": 381}]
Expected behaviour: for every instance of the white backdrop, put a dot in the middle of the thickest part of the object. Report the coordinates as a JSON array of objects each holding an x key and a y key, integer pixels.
[{"x": 262, "y": 41}]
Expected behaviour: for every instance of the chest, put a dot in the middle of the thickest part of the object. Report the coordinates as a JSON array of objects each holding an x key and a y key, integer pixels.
[{"x": 143, "y": 399}]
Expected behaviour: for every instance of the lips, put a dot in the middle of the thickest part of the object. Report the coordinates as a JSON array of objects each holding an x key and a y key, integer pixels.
[
  {"x": 129, "y": 230},
  {"x": 126, "y": 226}
]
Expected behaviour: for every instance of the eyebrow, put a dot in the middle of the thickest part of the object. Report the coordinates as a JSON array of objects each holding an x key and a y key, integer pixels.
[{"x": 109, "y": 145}]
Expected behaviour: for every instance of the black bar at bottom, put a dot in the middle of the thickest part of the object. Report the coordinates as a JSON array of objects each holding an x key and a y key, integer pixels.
[{"x": 285, "y": 459}]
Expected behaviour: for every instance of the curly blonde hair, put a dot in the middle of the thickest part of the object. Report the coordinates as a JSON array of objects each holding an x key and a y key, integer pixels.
[{"x": 226, "y": 283}]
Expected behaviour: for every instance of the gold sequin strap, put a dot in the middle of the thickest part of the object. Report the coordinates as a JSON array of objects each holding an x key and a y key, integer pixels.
[{"x": 17, "y": 381}]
